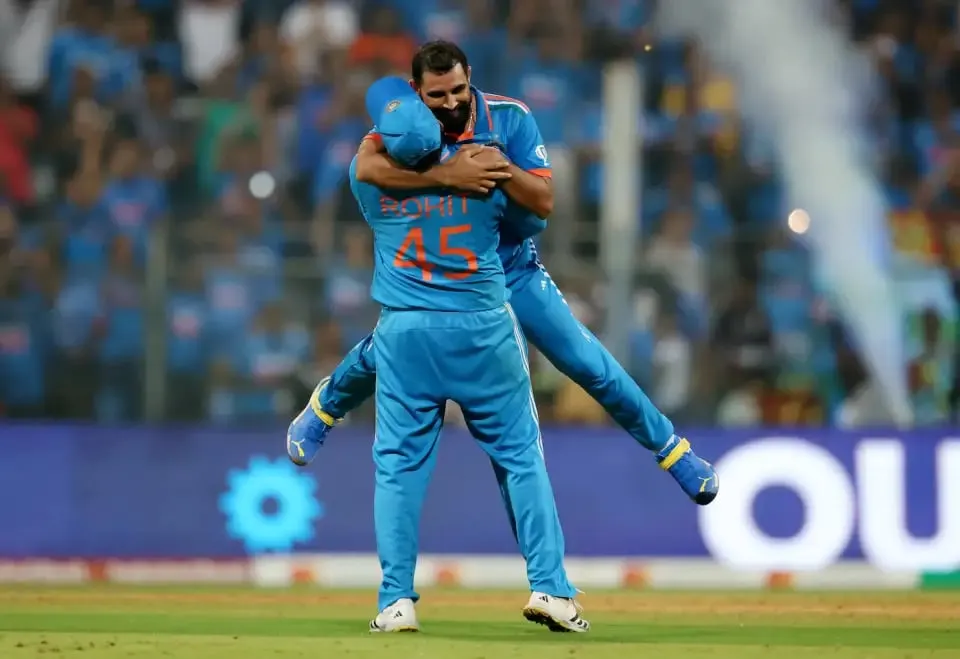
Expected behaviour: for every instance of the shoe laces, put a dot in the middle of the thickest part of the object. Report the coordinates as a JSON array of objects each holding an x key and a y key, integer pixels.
[{"x": 577, "y": 604}]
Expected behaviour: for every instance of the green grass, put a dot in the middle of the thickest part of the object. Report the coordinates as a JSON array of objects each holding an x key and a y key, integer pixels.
[{"x": 114, "y": 622}]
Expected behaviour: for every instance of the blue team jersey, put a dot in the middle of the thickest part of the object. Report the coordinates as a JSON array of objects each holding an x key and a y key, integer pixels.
[
  {"x": 413, "y": 225},
  {"x": 433, "y": 250},
  {"x": 516, "y": 131},
  {"x": 517, "y": 252}
]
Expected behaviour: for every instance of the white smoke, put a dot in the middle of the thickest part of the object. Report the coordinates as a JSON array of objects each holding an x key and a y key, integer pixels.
[{"x": 804, "y": 87}]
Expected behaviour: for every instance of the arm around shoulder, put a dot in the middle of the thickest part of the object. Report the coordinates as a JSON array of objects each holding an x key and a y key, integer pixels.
[
  {"x": 375, "y": 167},
  {"x": 463, "y": 171}
]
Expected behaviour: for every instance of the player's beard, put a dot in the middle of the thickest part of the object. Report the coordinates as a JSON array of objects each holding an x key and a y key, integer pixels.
[{"x": 454, "y": 121}]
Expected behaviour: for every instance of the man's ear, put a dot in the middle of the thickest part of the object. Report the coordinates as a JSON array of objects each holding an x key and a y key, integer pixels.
[{"x": 413, "y": 85}]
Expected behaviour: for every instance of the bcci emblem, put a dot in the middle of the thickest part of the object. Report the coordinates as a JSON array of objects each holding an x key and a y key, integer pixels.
[{"x": 392, "y": 105}]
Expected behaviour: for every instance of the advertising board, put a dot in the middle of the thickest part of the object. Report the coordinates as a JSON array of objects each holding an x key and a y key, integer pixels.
[{"x": 789, "y": 501}]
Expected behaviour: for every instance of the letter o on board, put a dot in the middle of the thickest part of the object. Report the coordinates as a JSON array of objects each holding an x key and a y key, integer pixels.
[{"x": 730, "y": 531}]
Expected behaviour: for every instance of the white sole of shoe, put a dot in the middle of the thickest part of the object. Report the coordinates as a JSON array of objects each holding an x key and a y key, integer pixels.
[
  {"x": 396, "y": 630},
  {"x": 543, "y": 617}
]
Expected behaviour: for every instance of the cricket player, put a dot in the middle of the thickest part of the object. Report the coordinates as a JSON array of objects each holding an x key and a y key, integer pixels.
[
  {"x": 446, "y": 332},
  {"x": 441, "y": 76}
]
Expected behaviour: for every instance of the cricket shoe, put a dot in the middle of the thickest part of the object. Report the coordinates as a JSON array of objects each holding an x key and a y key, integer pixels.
[
  {"x": 401, "y": 616},
  {"x": 695, "y": 475},
  {"x": 306, "y": 432},
  {"x": 559, "y": 614}
]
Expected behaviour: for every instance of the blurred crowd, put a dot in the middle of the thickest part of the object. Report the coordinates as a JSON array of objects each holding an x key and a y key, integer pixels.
[{"x": 177, "y": 239}]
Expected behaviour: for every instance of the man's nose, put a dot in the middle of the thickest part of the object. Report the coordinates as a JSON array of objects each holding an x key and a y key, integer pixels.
[{"x": 450, "y": 102}]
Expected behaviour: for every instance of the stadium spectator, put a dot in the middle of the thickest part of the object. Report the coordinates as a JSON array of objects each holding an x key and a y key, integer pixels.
[
  {"x": 682, "y": 190},
  {"x": 383, "y": 40},
  {"x": 18, "y": 129},
  {"x": 673, "y": 253},
  {"x": 742, "y": 349},
  {"x": 313, "y": 28},
  {"x": 927, "y": 372},
  {"x": 550, "y": 81},
  {"x": 237, "y": 119},
  {"x": 133, "y": 198},
  {"x": 166, "y": 133},
  {"x": 207, "y": 30},
  {"x": 23, "y": 331},
  {"x": 267, "y": 365},
  {"x": 230, "y": 294},
  {"x": 122, "y": 345},
  {"x": 672, "y": 366},
  {"x": 82, "y": 44},
  {"x": 348, "y": 284},
  {"x": 332, "y": 200},
  {"x": 188, "y": 344},
  {"x": 473, "y": 25},
  {"x": 26, "y": 30}
]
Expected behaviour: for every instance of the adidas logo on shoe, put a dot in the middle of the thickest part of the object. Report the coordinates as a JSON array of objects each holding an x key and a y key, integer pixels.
[{"x": 558, "y": 614}]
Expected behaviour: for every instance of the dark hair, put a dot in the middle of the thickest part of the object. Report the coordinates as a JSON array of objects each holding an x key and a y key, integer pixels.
[{"x": 437, "y": 57}]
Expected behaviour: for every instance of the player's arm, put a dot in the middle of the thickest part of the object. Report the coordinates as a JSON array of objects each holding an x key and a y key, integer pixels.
[
  {"x": 461, "y": 172},
  {"x": 375, "y": 167},
  {"x": 530, "y": 183}
]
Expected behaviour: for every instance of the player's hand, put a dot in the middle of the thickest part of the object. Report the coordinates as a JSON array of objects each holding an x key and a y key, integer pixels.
[
  {"x": 474, "y": 168},
  {"x": 491, "y": 157}
]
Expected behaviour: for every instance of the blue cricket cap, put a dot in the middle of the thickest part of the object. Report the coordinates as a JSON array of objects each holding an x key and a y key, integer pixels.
[{"x": 409, "y": 130}]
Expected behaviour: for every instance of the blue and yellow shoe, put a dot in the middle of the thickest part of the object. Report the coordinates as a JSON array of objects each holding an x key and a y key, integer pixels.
[
  {"x": 695, "y": 475},
  {"x": 306, "y": 432}
]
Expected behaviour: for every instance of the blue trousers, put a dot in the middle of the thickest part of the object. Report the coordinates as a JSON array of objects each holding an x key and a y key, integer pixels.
[
  {"x": 479, "y": 361},
  {"x": 549, "y": 324}
]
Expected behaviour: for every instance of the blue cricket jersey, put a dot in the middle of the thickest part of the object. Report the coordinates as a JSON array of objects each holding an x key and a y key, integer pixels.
[
  {"x": 416, "y": 220},
  {"x": 519, "y": 136},
  {"x": 433, "y": 250},
  {"x": 517, "y": 252}
]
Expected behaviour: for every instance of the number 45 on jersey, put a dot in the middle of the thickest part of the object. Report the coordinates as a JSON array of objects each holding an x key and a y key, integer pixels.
[{"x": 413, "y": 254}]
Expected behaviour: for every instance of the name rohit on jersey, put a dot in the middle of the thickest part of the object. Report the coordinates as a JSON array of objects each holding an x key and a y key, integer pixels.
[{"x": 424, "y": 206}]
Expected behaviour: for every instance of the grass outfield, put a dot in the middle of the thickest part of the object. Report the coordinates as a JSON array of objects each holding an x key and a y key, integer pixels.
[{"x": 107, "y": 622}]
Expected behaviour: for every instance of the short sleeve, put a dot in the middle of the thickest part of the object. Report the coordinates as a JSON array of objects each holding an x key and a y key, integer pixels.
[{"x": 525, "y": 147}]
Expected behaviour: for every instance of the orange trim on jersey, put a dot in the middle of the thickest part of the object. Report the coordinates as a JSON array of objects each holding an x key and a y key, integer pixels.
[
  {"x": 500, "y": 97},
  {"x": 541, "y": 172},
  {"x": 376, "y": 137}
]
